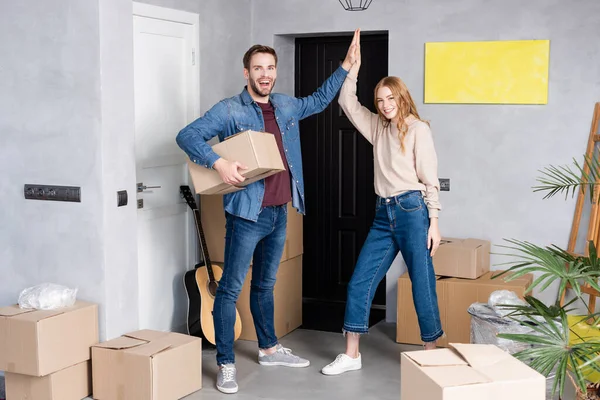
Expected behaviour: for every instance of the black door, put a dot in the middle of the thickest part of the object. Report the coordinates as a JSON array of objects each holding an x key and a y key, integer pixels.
[{"x": 338, "y": 171}]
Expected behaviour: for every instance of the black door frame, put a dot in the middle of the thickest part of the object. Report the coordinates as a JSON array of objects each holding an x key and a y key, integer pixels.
[{"x": 319, "y": 313}]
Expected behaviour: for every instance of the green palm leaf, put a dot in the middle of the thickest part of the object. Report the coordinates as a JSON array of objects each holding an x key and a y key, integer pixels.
[
  {"x": 552, "y": 350},
  {"x": 550, "y": 265},
  {"x": 563, "y": 179}
]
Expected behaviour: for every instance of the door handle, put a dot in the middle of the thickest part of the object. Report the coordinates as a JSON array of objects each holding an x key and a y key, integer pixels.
[{"x": 141, "y": 187}]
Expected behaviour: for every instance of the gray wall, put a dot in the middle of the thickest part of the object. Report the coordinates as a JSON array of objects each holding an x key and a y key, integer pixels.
[
  {"x": 490, "y": 153},
  {"x": 67, "y": 101},
  {"x": 66, "y": 95},
  {"x": 118, "y": 168},
  {"x": 50, "y": 132}
]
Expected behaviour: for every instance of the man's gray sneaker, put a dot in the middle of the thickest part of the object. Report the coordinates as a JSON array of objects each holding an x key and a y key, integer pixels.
[
  {"x": 226, "y": 381},
  {"x": 283, "y": 357}
]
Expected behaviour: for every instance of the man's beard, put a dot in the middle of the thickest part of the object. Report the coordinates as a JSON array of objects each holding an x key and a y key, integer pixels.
[{"x": 262, "y": 92}]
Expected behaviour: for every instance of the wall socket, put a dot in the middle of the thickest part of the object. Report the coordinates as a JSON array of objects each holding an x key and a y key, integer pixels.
[
  {"x": 52, "y": 192},
  {"x": 445, "y": 184}
]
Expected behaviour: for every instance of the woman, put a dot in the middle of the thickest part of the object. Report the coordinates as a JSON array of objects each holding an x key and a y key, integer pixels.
[{"x": 407, "y": 208}]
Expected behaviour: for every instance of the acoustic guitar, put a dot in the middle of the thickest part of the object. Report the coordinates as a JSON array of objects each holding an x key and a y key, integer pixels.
[{"x": 201, "y": 285}]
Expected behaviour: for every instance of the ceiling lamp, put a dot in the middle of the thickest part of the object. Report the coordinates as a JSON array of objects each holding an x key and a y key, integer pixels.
[{"x": 355, "y": 5}]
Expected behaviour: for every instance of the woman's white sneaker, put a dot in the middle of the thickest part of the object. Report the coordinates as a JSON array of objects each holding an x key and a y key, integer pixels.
[{"x": 342, "y": 363}]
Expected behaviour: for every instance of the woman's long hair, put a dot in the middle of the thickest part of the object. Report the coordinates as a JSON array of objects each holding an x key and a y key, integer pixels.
[{"x": 404, "y": 101}]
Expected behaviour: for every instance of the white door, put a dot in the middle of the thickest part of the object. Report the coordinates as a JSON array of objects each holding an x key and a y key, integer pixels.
[{"x": 166, "y": 99}]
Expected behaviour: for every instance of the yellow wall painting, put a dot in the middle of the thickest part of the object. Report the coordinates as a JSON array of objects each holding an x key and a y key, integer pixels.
[{"x": 494, "y": 72}]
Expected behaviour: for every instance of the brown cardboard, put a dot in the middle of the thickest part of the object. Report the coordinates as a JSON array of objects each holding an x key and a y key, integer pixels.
[
  {"x": 408, "y": 330},
  {"x": 213, "y": 225},
  {"x": 147, "y": 365},
  {"x": 462, "y": 258},
  {"x": 256, "y": 150},
  {"x": 455, "y": 296},
  {"x": 461, "y": 293},
  {"x": 468, "y": 372},
  {"x": 287, "y": 297},
  {"x": 72, "y": 383},
  {"x": 38, "y": 343}
]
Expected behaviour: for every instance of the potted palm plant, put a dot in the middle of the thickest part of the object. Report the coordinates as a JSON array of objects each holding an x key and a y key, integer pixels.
[{"x": 556, "y": 345}]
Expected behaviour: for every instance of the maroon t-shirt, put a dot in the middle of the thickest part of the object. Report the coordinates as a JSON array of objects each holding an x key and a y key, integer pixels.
[{"x": 277, "y": 187}]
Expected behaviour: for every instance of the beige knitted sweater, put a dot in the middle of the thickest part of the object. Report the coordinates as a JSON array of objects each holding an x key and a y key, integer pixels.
[{"x": 396, "y": 172}]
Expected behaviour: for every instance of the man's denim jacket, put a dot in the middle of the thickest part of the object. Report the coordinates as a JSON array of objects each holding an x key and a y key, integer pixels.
[{"x": 241, "y": 113}]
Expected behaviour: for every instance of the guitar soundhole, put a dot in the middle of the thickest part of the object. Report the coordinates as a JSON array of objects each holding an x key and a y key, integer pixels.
[{"x": 212, "y": 288}]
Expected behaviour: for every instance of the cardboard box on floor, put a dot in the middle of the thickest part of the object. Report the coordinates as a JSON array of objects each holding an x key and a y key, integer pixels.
[
  {"x": 461, "y": 293},
  {"x": 256, "y": 150},
  {"x": 38, "y": 343},
  {"x": 454, "y": 298},
  {"x": 287, "y": 296},
  {"x": 72, "y": 383},
  {"x": 213, "y": 225},
  {"x": 462, "y": 258},
  {"x": 148, "y": 365},
  {"x": 468, "y": 372}
]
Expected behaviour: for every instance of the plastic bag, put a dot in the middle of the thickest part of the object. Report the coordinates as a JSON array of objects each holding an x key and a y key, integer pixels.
[
  {"x": 487, "y": 323},
  {"x": 47, "y": 296},
  {"x": 499, "y": 298}
]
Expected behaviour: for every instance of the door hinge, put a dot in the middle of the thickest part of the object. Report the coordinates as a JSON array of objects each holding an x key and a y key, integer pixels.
[{"x": 193, "y": 56}]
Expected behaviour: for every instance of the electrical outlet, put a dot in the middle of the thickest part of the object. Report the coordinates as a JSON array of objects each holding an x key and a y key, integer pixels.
[
  {"x": 121, "y": 198},
  {"x": 53, "y": 193},
  {"x": 445, "y": 184}
]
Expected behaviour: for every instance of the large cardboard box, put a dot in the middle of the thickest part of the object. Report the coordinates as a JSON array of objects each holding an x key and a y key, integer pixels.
[
  {"x": 72, "y": 383},
  {"x": 256, "y": 150},
  {"x": 38, "y": 343},
  {"x": 287, "y": 296},
  {"x": 147, "y": 365},
  {"x": 213, "y": 225},
  {"x": 468, "y": 372},
  {"x": 454, "y": 298},
  {"x": 462, "y": 258},
  {"x": 461, "y": 293}
]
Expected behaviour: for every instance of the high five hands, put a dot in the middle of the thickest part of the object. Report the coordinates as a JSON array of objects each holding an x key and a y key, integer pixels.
[{"x": 352, "y": 61}]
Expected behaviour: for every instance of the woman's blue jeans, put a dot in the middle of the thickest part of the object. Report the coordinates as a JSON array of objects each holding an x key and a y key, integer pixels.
[{"x": 401, "y": 224}]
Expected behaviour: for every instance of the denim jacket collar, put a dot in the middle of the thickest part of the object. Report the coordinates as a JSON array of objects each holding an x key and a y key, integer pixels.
[{"x": 246, "y": 98}]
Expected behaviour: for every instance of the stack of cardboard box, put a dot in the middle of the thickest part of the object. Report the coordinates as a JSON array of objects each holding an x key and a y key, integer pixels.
[
  {"x": 462, "y": 268},
  {"x": 288, "y": 287},
  {"x": 54, "y": 354},
  {"x": 46, "y": 354}
]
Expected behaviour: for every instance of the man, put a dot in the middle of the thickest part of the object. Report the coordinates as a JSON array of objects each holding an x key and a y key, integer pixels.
[{"x": 257, "y": 216}]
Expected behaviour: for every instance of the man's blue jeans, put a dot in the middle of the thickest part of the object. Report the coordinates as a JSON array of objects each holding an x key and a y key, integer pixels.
[
  {"x": 401, "y": 224},
  {"x": 245, "y": 240}
]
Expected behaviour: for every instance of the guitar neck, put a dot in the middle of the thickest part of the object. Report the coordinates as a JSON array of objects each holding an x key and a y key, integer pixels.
[{"x": 204, "y": 249}]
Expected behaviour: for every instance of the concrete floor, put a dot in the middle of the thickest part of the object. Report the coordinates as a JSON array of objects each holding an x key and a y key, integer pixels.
[{"x": 379, "y": 379}]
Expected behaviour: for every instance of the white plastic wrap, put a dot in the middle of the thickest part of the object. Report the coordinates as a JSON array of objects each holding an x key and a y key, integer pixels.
[
  {"x": 504, "y": 297},
  {"x": 487, "y": 323},
  {"x": 47, "y": 296},
  {"x": 489, "y": 320}
]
